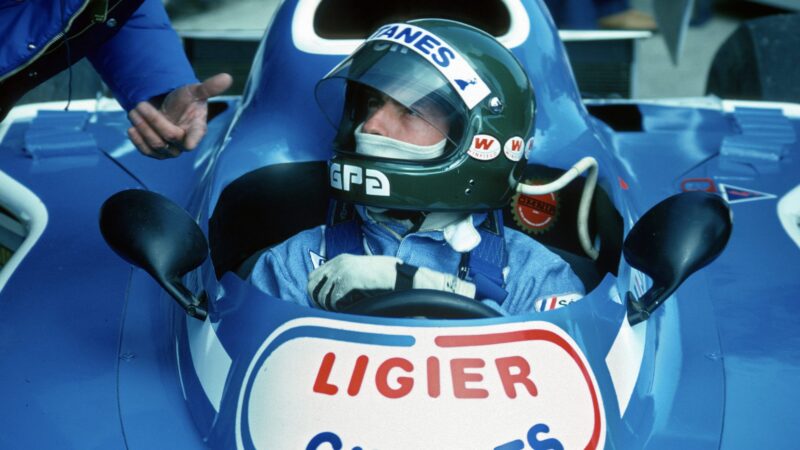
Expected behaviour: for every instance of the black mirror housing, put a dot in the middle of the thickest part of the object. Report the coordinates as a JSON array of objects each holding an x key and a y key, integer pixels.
[
  {"x": 153, "y": 233},
  {"x": 677, "y": 237}
]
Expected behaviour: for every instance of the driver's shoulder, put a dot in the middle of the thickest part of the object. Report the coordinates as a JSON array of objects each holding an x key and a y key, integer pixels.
[
  {"x": 300, "y": 244},
  {"x": 524, "y": 245}
]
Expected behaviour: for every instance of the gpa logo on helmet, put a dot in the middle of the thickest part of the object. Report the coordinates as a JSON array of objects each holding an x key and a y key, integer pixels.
[
  {"x": 513, "y": 148},
  {"x": 344, "y": 176},
  {"x": 484, "y": 147}
]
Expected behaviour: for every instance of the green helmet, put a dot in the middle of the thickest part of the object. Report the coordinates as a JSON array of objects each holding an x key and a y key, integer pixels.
[{"x": 463, "y": 83}]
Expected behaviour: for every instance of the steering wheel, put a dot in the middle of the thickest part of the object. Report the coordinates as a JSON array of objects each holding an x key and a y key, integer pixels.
[{"x": 428, "y": 303}]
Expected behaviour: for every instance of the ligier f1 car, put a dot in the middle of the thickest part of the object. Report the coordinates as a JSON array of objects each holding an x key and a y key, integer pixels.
[{"x": 666, "y": 350}]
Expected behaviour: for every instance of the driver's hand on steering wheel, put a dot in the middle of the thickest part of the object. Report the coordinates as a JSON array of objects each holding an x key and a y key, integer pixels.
[{"x": 335, "y": 285}]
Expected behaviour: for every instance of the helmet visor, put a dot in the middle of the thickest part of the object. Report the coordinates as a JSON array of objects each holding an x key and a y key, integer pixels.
[{"x": 382, "y": 72}]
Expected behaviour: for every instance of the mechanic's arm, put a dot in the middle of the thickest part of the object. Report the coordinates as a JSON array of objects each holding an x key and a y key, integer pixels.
[
  {"x": 332, "y": 284},
  {"x": 144, "y": 64}
]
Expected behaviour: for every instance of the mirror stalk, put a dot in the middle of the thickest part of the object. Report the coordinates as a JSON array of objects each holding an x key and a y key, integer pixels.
[
  {"x": 194, "y": 306},
  {"x": 640, "y": 310}
]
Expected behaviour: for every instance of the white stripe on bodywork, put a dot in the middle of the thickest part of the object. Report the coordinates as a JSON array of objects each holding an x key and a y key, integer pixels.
[
  {"x": 308, "y": 41},
  {"x": 789, "y": 214},
  {"x": 790, "y": 110},
  {"x": 210, "y": 360},
  {"x": 30, "y": 210},
  {"x": 624, "y": 361}
]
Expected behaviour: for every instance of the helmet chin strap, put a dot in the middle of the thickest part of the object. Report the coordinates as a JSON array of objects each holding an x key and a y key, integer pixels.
[
  {"x": 587, "y": 163},
  {"x": 386, "y": 147}
]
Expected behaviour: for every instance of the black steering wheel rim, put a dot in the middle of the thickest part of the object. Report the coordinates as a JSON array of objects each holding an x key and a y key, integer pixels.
[{"x": 428, "y": 303}]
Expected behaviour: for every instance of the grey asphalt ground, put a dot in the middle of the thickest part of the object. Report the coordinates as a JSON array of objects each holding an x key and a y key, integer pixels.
[{"x": 655, "y": 74}]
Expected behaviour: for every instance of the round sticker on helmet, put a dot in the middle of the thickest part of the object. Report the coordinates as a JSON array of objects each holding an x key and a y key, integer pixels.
[
  {"x": 535, "y": 213},
  {"x": 528, "y": 148},
  {"x": 513, "y": 148},
  {"x": 484, "y": 147}
]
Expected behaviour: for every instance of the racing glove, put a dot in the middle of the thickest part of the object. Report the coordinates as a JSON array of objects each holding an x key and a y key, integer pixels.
[{"x": 347, "y": 279}]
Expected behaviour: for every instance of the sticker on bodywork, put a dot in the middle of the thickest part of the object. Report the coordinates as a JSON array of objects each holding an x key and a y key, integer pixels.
[
  {"x": 735, "y": 194},
  {"x": 453, "y": 387},
  {"x": 698, "y": 184},
  {"x": 466, "y": 82},
  {"x": 535, "y": 214},
  {"x": 551, "y": 302}
]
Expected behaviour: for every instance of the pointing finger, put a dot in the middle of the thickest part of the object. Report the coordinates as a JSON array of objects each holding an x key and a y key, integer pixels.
[{"x": 212, "y": 86}]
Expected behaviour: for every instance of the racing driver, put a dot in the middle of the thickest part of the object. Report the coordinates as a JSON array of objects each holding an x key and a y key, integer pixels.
[{"x": 435, "y": 124}]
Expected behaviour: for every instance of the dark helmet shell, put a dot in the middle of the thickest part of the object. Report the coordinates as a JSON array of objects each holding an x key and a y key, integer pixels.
[{"x": 487, "y": 154}]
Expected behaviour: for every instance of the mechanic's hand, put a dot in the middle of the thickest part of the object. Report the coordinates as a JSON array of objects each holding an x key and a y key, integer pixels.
[
  {"x": 180, "y": 122},
  {"x": 332, "y": 284},
  {"x": 335, "y": 279}
]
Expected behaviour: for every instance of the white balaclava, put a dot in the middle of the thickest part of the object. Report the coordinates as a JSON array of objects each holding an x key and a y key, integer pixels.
[
  {"x": 459, "y": 231},
  {"x": 386, "y": 147}
]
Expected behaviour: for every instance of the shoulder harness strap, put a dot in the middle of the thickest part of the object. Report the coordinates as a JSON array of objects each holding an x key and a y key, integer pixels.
[
  {"x": 343, "y": 230},
  {"x": 484, "y": 264}
]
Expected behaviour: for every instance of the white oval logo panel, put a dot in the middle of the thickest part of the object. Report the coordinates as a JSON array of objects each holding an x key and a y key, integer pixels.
[
  {"x": 484, "y": 147},
  {"x": 319, "y": 383},
  {"x": 528, "y": 148},
  {"x": 513, "y": 148}
]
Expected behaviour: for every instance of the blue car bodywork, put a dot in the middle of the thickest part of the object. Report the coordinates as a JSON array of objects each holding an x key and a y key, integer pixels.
[{"x": 95, "y": 354}]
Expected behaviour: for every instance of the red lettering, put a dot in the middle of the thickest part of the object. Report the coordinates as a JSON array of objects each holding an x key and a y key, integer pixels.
[
  {"x": 483, "y": 143},
  {"x": 358, "y": 376},
  {"x": 321, "y": 384},
  {"x": 461, "y": 377},
  {"x": 521, "y": 375},
  {"x": 394, "y": 377},
  {"x": 382, "y": 378},
  {"x": 434, "y": 386},
  {"x": 516, "y": 144}
]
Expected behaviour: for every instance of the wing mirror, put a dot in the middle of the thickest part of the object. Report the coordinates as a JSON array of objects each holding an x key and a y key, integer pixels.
[
  {"x": 673, "y": 240},
  {"x": 153, "y": 233}
]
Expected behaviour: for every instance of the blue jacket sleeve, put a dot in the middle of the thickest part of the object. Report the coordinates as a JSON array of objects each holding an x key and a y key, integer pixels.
[{"x": 144, "y": 59}]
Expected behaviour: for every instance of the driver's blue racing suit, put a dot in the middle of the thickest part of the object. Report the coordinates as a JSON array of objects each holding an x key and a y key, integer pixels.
[{"x": 532, "y": 273}]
